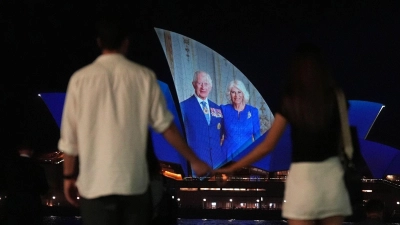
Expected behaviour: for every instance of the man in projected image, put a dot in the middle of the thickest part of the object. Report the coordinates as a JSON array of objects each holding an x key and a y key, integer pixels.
[{"x": 202, "y": 119}]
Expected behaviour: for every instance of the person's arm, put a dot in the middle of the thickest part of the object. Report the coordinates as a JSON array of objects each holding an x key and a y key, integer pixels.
[
  {"x": 265, "y": 147},
  {"x": 69, "y": 176},
  {"x": 172, "y": 135}
]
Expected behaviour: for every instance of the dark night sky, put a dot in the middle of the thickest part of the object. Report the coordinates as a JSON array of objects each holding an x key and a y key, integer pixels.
[{"x": 46, "y": 41}]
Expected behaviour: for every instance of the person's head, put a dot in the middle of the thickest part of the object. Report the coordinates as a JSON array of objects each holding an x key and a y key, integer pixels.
[
  {"x": 112, "y": 33},
  {"x": 202, "y": 84},
  {"x": 374, "y": 209},
  {"x": 25, "y": 148},
  {"x": 309, "y": 90},
  {"x": 308, "y": 71},
  {"x": 237, "y": 93}
]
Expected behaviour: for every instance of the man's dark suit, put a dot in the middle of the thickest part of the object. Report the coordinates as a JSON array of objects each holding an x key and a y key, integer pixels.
[
  {"x": 203, "y": 138},
  {"x": 25, "y": 182}
]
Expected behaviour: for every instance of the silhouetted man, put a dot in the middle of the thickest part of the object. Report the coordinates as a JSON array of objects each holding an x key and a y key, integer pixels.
[
  {"x": 25, "y": 183},
  {"x": 108, "y": 109}
]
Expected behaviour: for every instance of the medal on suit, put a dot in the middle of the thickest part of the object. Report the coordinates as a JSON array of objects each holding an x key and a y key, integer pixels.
[{"x": 205, "y": 110}]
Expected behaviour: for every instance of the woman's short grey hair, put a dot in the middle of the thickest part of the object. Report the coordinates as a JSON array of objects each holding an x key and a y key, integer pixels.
[
  {"x": 239, "y": 85},
  {"x": 207, "y": 76}
]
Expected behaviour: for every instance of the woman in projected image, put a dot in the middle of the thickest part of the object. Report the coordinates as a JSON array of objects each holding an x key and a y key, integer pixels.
[
  {"x": 314, "y": 191},
  {"x": 241, "y": 121}
]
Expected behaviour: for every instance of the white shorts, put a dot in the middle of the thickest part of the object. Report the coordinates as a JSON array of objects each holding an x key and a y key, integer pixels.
[{"x": 316, "y": 190}]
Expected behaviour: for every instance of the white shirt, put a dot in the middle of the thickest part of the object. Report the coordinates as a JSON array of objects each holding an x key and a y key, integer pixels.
[
  {"x": 201, "y": 100},
  {"x": 108, "y": 108}
]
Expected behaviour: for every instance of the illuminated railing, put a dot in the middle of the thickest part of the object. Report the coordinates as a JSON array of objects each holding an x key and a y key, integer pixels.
[
  {"x": 249, "y": 179},
  {"x": 222, "y": 189},
  {"x": 390, "y": 183}
]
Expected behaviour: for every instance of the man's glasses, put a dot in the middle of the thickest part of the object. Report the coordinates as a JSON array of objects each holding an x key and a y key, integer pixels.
[{"x": 204, "y": 84}]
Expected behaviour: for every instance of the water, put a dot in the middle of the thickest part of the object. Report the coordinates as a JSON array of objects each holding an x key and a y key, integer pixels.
[
  {"x": 228, "y": 222},
  {"x": 76, "y": 220},
  {"x": 62, "y": 220}
]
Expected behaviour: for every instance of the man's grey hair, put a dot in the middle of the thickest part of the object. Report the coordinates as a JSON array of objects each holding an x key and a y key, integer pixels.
[{"x": 196, "y": 74}]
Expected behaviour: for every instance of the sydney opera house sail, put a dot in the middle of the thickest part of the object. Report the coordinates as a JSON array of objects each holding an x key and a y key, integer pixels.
[{"x": 185, "y": 56}]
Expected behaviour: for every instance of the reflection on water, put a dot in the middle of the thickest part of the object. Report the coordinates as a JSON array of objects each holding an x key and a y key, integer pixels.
[
  {"x": 76, "y": 220},
  {"x": 62, "y": 220},
  {"x": 228, "y": 222}
]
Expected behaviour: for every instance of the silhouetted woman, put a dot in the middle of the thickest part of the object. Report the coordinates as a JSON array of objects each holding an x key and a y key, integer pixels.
[{"x": 315, "y": 189}]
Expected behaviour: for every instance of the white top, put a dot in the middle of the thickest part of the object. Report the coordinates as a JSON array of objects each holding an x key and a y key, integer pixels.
[{"x": 108, "y": 108}]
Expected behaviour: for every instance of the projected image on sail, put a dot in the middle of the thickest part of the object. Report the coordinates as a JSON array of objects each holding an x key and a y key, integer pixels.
[{"x": 222, "y": 111}]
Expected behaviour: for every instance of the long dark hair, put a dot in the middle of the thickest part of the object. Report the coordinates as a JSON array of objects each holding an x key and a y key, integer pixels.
[{"x": 309, "y": 93}]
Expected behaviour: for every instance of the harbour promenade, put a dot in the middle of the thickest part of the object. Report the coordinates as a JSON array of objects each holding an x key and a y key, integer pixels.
[{"x": 238, "y": 200}]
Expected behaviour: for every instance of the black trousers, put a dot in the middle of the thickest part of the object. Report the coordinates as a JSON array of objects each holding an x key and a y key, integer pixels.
[{"x": 117, "y": 210}]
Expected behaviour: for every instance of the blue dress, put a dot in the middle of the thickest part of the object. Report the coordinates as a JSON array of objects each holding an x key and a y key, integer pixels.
[{"x": 240, "y": 129}]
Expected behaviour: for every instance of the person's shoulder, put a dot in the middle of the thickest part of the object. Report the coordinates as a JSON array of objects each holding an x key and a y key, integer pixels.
[
  {"x": 137, "y": 67},
  {"x": 251, "y": 108},
  {"x": 29, "y": 161},
  {"x": 83, "y": 70},
  {"x": 188, "y": 100},
  {"x": 118, "y": 62},
  {"x": 226, "y": 106},
  {"x": 213, "y": 104}
]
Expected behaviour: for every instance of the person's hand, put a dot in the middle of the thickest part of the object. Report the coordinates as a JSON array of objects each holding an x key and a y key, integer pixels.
[
  {"x": 71, "y": 192},
  {"x": 222, "y": 175},
  {"x": 201, "y": 168},
  {"x": 225, "y": 170}
]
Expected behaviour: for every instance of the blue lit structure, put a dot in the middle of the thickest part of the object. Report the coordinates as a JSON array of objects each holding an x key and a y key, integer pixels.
[
  {"x": 382, "y": 160},
  {"x": 185, "y": 55}
]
